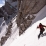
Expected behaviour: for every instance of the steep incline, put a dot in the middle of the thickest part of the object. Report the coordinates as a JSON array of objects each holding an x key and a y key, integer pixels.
[
  {"x": 29, "y": 38},
  {"x": 14, "y": 33}
]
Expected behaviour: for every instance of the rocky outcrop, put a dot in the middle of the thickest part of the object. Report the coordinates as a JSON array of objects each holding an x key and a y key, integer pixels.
[
  {"x": 9, "y": 9},
  {"x": 9, "y": 12},
  {"x": 4, "y": 38},
  {"x": 31, "y": 6},
  {"x": 27, "y": 8}
]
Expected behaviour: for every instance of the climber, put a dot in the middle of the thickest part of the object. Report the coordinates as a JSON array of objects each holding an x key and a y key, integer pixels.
[{"x": 42, "y": 29}]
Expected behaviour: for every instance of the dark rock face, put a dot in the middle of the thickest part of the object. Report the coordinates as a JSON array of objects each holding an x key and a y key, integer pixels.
[
  {"x": 26, "y": 9},
  {"x": 9, "y": 8},
  {"x": 31, "y": 6},
  {"x": 14, "y": 0},
  {"x": 1, "y": 13},
  {"x": 24, "y": 22}
]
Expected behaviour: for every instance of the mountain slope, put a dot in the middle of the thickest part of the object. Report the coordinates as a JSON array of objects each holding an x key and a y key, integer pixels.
[
  {"x": 14, "y": 33},
  {"x": 31, "y": 31},
  {"x": 29, "y": 38},
  {"x": 30, "y": 35},
  {"x": 3, "y": 27}
]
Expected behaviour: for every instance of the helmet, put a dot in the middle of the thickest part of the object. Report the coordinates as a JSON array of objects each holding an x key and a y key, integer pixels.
[{"x": 40, "y": 23}]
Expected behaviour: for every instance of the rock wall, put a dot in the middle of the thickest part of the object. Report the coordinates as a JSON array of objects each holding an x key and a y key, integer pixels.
[{"x": 26, "y": 9}]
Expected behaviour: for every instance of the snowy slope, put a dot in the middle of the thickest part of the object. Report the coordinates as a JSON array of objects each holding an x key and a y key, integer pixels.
[
  {"x": 14, "y": 30},
  {"x": 3, "y": 27},
  {"x": 29, "y": 38},
  {"x": 14, "y": 33}
]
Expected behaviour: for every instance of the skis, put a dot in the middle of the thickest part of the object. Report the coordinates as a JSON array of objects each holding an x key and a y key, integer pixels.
[{"x": 43, "y": 35}]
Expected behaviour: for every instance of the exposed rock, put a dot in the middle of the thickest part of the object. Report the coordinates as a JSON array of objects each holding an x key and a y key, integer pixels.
[
  {"x": 4, "y": 38},
  {"x": 1, "y": 13},
  {"x": 26, "y": 9}
]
